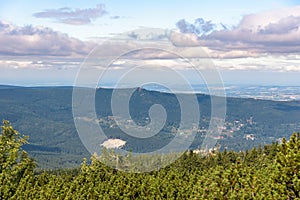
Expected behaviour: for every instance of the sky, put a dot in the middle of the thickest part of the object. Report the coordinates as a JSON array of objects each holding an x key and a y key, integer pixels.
[{"x": 253, "y": 42}]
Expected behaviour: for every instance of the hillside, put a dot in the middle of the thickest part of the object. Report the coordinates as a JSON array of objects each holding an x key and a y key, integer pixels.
[{"x": 45, "y": 115}]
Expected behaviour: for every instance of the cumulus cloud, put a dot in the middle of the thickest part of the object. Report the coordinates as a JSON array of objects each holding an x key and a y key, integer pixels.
[
  {"x": 30, "y": 40},
  {"x": 185, "y": 39},
  {"x": 283, "y": 26},
  {"x": 73, "y": 17},
  {"x": 268, "y": 32},
  {"x": 271, "y": 32},
  {"x": 199, "y": 27}
]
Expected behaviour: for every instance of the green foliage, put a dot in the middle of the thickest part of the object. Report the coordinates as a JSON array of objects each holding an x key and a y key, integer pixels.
[
  {"x": 287, "y": 168},
  {"x": 15, "y": 164},
  {"x": 271, "y": 172}
]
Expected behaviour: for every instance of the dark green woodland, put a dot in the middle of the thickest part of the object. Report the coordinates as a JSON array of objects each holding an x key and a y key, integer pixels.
[{"x": 267, "y": 172}]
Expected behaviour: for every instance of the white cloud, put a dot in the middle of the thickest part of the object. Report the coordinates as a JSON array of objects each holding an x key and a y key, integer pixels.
[
  {"x": 266, "y": 63},
  {"x": 269, "y": 32},
  {"x": 41, "y": 41},
  {"x": 272, "y": 32},
  {"x": 38, "y": 63},
  {"x": 263, "y": 41},
  {"x": 78, "y": 16}
]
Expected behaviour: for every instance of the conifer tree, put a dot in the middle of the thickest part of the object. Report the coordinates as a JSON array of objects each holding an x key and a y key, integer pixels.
[{"x": 15, "y": 163}]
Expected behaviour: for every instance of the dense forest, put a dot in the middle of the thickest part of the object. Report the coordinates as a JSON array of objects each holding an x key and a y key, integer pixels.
[{"x": 268, "y": 172}]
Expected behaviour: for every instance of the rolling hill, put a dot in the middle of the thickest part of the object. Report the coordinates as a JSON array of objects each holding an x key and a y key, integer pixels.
[{"x": 45, "y": 115}]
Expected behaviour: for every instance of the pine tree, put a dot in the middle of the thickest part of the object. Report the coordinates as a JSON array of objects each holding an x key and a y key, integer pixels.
[
  {"x": 15, "y": 163},
  {"x": 287, "y": 168}
]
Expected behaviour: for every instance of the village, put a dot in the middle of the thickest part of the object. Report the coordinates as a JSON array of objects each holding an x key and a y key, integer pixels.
[{"x": 228, "y": 129}]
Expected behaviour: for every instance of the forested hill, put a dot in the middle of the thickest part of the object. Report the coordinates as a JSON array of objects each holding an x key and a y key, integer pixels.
[
  {"x": 45, "y": 115},
  {"x": 271, "y": 172}
]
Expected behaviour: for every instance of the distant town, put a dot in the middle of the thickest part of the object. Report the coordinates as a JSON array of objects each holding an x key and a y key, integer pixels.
[
  {"x": 248, "y": 129},
  {"x": 275, "y": 93}
]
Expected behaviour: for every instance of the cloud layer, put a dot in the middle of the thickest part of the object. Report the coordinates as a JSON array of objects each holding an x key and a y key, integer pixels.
[
  {"x": 263, "y": 41},
  {"x": 29, "y": 40},
  {"x": 78, "y": 16},
  {"x": 268, "y": 32}
]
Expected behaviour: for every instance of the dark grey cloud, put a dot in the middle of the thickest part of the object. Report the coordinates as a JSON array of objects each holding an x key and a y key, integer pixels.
[
  {"x": 73, "y": 17},
  {"x": 30, "y": 40}
]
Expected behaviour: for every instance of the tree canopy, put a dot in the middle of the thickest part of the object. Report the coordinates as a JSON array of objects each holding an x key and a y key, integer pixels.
[{"x": 268, "y": 172}]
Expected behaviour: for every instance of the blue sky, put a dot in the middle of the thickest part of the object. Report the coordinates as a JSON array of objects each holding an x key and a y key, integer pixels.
[{"x": 251, "y": 42}]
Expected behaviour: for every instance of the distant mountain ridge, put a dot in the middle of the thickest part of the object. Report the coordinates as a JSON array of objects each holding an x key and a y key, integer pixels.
[{"x": 8, "y": 86}]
